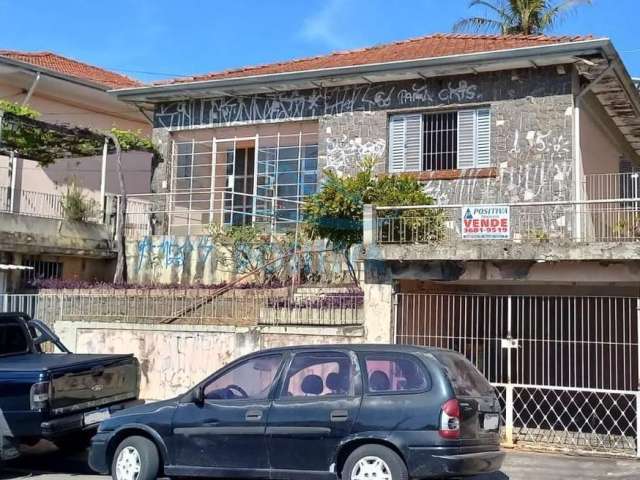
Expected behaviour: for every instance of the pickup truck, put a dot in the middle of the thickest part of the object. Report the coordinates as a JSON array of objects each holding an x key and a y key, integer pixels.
[{"x": 61, "y": 396}]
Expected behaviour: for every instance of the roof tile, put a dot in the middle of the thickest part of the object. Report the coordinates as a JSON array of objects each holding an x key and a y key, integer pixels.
[
  {"x": 431, "y": 46},
  {"x": 73, "y": 68}
]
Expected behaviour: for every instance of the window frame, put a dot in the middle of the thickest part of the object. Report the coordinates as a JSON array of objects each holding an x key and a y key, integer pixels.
[
  {"x": 393, "y": 356},
  {"x": 187, "y": 398},
  {"x": 423, "y": 133},
  {"x": 356, "y": 378}
]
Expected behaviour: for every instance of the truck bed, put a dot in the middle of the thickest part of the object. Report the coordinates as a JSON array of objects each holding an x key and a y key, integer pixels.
[{"x": 31, "y": 362}]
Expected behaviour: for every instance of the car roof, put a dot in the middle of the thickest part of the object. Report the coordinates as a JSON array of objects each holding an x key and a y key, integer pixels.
[{"x": 356, "y": 347}]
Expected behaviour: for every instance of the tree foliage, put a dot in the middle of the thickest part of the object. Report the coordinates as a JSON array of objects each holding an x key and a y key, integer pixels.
[
  {"x": 529, "y": 17},
  {"x": 335, "y": 212}
]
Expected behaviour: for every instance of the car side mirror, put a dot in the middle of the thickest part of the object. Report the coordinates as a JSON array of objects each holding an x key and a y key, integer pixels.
[{"x": 198, "y": 395}]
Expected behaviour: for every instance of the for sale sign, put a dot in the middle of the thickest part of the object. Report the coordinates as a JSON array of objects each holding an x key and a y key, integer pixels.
[{"x": 486, "y": 222}]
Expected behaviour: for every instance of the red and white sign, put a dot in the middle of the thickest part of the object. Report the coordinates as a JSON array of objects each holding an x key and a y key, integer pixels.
[{"x": 486, "y": 222}]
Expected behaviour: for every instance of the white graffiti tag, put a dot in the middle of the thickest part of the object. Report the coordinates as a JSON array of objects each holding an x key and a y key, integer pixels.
[{"x": 345, "y": 154}]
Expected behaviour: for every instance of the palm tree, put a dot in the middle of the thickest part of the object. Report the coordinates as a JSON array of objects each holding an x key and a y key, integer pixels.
[{"x": 529, "y": 17}]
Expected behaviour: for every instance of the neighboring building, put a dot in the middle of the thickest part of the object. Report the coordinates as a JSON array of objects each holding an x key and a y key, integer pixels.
[
  {"x": 544, "y": 131},
  {"x": 70, "y": 92}
]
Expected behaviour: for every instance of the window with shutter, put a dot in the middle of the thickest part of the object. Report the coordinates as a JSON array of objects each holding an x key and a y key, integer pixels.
[
  {"x": 405, "y": 143},
  {"x": 440, "y": 141}
]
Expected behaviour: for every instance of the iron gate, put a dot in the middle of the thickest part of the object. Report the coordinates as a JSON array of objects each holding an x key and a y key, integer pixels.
[{"x": 566, "y": 368}]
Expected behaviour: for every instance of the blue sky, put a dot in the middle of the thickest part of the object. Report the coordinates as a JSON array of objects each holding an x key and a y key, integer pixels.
[{"x": 154, "y": 39}]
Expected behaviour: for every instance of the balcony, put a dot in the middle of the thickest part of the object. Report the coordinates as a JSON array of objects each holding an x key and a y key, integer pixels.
[{"x": 591, "y": 229}]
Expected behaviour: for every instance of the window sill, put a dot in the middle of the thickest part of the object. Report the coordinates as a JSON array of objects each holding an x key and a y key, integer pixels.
[{"x": 490, "y": 172}]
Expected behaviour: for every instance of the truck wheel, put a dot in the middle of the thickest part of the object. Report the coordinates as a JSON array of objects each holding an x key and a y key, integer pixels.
[
  {"x": 136, "y": 458},
  {"x": 374, "y": 462}
]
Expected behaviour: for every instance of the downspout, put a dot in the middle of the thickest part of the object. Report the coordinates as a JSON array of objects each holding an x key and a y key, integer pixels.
[{"x": 32, "y": 88}]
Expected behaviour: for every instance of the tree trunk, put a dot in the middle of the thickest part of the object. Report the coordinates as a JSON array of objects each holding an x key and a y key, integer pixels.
[
  {"x": 352, "y": 271},
  {"x": 120, "y": 275}
]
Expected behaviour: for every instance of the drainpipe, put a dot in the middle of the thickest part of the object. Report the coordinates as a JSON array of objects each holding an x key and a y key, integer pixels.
[{"x": 31, "y": 89}]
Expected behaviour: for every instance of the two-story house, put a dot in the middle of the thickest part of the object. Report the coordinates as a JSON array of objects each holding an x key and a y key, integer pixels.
[
  {"x": 63, "y": 91},
  {"x": 529, "y": 144}
]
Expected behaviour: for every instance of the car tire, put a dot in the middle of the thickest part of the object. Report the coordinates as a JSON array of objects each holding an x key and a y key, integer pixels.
[
  {"x": 377, "y": 456},
  {"x": 136, "y": 458}
]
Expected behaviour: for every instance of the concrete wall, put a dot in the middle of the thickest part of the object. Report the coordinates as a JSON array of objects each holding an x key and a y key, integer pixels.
[{"x": 173, "y": 358}]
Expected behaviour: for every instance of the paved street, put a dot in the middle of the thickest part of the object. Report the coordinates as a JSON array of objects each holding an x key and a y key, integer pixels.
[{"x": 47, "y": 464}]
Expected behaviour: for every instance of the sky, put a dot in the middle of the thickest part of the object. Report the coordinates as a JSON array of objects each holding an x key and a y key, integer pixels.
[{"x": 157, "y": 39}]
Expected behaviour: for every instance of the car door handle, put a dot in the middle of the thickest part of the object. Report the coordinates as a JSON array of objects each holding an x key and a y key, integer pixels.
[
  {"x": 339, "y": 415},
  {"x": 253, "y": 415}
]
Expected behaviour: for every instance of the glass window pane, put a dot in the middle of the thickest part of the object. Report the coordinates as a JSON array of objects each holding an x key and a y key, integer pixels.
[
  {"x": 318, "y": 373},
  {"x": 395, "y": 373},
  {"x": 463, "y": 375},
  {"x": 251, "y": 379}
]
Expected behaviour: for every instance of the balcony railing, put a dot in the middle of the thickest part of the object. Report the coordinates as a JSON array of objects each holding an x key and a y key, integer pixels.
[{"x": 588, "y": 221}]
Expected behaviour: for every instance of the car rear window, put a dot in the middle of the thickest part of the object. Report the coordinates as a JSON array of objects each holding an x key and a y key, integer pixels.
[
  {"x": 395, "y": 373},
  {"x": 465, "y": 378},
  {"x": 12, "y": 339}
]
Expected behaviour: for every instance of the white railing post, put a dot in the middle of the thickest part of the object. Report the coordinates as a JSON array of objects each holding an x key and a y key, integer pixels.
[
  {"x": 13, "y": 175},
  {"x": 508, "y": 416}
]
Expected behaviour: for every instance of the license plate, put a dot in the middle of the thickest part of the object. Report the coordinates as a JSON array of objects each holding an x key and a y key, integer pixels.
[
  {"x": 91, "y": 418},
  {"x": 491, "y": 421}
]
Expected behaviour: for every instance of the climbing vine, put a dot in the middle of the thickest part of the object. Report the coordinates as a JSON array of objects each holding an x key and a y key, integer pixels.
[{"x": 28, "y": 137}]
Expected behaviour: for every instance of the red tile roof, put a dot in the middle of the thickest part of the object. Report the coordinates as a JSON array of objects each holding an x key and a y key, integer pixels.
[
  {"x": 72, "y": 68},
  {"x": 431, "y": 46}
]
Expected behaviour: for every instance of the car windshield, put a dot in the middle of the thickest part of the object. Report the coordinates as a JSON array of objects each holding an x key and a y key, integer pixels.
[{"x": 465, "y": 378}]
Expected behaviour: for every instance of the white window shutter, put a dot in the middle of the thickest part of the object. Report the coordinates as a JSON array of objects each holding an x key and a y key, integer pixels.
[
  {"x": 466, "y": 138},
  {"x": 405, "y": 143},
  {"x": 397, "y": 128},
  {"x": 483, "y": 138},
  {"x": 413, "y": 143}
]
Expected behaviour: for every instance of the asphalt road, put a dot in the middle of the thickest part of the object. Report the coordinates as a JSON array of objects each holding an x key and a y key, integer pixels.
[{"x": 44, "y": 462}]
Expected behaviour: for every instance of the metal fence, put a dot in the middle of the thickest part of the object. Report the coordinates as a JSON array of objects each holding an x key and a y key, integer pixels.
[
  {"x": 566, "y": 368},
  {"x": 588, "y": 221},
  {"x": 238, "y": 307}
]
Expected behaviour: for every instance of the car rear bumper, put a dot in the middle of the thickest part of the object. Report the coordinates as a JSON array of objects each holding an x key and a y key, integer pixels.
[
  {"x": 60, "y": 426},
  {"x": 448, "y": 462}
]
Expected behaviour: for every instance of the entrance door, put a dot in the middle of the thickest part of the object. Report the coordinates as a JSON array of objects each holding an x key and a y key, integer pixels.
[
  {"x": 227, "y": 432},
  {"x": 239, "y": 199}
]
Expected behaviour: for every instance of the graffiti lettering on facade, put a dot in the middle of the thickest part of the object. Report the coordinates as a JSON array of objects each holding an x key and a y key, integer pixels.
[
  {"x": 170, "y": 252},
  {"x": 315, "y": 103}
]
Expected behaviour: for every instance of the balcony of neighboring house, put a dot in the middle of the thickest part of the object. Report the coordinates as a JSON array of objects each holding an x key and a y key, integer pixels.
[{"x": 603, "y": 225}]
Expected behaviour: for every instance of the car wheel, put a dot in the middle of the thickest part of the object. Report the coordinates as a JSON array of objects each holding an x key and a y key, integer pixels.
[
  {"x": 374, "y": 462},
  {"x": 136, "y": 458}
]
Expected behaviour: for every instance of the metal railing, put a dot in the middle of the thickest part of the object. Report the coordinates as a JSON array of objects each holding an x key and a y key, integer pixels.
[
  {"x": 192, "y": 212},
  {"x": 565, "y": 367},
  {"x": 238, "y": 307},
  {"x": 616, "y": 220},
  {"x": 607, "y": 186}
]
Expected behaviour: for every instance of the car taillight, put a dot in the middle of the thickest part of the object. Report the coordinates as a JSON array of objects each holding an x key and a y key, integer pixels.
[
  {"x": 39, "y": 396},
  {"x": 450, "y": 420}
]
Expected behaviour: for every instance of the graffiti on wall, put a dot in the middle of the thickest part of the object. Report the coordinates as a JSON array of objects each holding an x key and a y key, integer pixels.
[
  {"x": 313, "y": 103},
  {"x": 198, "y": 259}
]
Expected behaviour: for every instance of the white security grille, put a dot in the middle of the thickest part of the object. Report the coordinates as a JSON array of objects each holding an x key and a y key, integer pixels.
[{"x": 566, "y": 368}]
